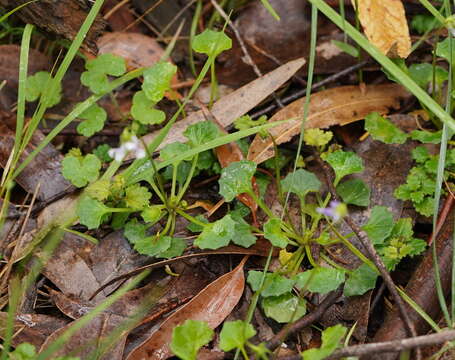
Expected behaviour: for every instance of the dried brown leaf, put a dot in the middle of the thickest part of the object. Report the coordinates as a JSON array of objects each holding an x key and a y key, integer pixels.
[
  {"x": 385, "y": 25},
  {"x": 337, "y": 106},
  {"x": 212, "y": 305}
]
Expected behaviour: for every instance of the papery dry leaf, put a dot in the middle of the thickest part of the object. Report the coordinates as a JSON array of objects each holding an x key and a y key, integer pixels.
[
  {"x": 385, "y": 25},
  {"x": 212, "y": 305},
  {"x": 234, "y": 105},
  {"x": 337, "y": 106}
]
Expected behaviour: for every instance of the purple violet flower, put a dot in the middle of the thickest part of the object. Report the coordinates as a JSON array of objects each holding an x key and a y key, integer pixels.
[{"x": 336, "y": 210}]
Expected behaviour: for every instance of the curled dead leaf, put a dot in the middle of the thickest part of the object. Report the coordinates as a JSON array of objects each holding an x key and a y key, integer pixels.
[
  {"x": 385, "y": 25},
  {"x": 212, "y": 305},
  {"x": 337, "y": 106}
]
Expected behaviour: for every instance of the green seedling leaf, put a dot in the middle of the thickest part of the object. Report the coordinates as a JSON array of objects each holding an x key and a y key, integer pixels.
[
  {"x": 236, "y": 179},
  {"x": 201, "y": 133},
  {"x": 380, "y": 224},
  {"x": 170, "y": 151},
  {"x": 38, "y": 85},
  {"x": 176, "y": 248},
  {"x": 242, "y": 232},
  {"x": 212, "y": 43},
  {"x": 273, "y": 233},
  {"x": 246, "y": 122},
  {"x": 301, "y": 182},
  {"x": 317, "y": 137},
  {"x": 81, "y": 170},
  {"x": 320, "y": 280},
  {"x": 284, "y": 308},
  {"x": 331, "y": 339},
  {"x": 384, "y": 130},
  {"x": 196, "y": 227},
  {"x": 427, "y": 137},
  {"x": 99, "y": 190},
  {"x": 135, "y": 231},
  {"x": 360, "y": 281},
  {"x": 423, "y": 23},
  {"x": 153, "y": 245},
  {"x": 95, "y": 78},
  {"x": 443, "y": 48},
  {"x": 217, "y": 234},
  {"x": 94, "y": 116},
  {"x": 235, "y": 334},
  {"x": 142, "y": 110},
  {"x": 354, "y": 192},
  {"x": 423, "y": 74},
  {"x": 137, "y": 197},
  {"x": 102, "y": 152},
  {"x": 189, "y": 337},
  {"x": 420, "y": 154},
  {"x": 274, "y": 284},
  {"x": 347, "y": 48},
  {"x": 91, "y": 212},
  {"x": 157, "y": 80},
  {"x": 344, "y": 163},
  {"x": 24, "y": 351},
  {"x": 151, "y": 214}
]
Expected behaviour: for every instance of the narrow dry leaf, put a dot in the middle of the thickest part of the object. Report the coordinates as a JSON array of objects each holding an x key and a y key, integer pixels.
[
  {"x": 385, "y": 25},
  {"x": 236, "y": 104},
  {"x": 337, "y": 106},
  {"x": 212, "y": 305}
]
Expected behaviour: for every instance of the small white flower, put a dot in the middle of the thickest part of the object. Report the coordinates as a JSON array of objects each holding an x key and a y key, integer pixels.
[
  {"x": 117, "y": 153},
  {"x": 140, "y": 153}
]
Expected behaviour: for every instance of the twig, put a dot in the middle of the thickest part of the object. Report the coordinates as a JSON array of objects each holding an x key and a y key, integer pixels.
[
  {"x": 298, "y": 94},
  {"x": 305, "y": 321},
  {"x": 373, "y": 255},
  {"x": 388, "y": 346}
]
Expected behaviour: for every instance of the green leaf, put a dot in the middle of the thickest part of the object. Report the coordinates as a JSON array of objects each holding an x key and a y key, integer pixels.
[
  {"x": 135, "y": 231},
  {"x": 94, "y": 116},
  {"x": 157, "y": 80},
  {"x": 246, "y": 122},
  {"x": 443, "y": 48},
  {"x": 426, "y": 137},
  {"x": 95, "y": 78},
  {"x": 24, "y": 351},
  {"x": 142, "y": 110},
  {"x": 274, "y": 284},
  {"x": 151, "y": 214},
  {"x": 360, "y": 281},
  {"x": 189, "y": 337},
  {"x": 344, "y": 163},
  {"x": 176, "y": 248},
  {"x": 236, "y": 179},
  {"x": 354, "y": 192},
  {"x": 102, "y": 152},
  {"x": 331, "y": 339},
  {"x": 284, "y": 308},
  {"x": 211, "y": 42},
  {"x": 152, "y": 245},
  {"x": 384, "y": 130},
  {"x": 301, "y": 182},
  {"x": 195, "y": 227},
  {"x": 99, "y": 190},
  {"x": 170, "y": 151},
  {"x": 424, "y": 22},
  {"x": 235, "y": 334},
  {"x": 320, "y": 280},
  {"x": 380, "y": 224},
  {"x": 347, "y": 48},
  {"x": 242, "y": 233},
  {"x": 81, "y": 170},
  {"x": 317, "y": 137},
  {"x": 201, "y": 133},
  {"x": 420, "y": 154},
  {"x": 137, "y": 197},
  {"x": 217, "y": 234},
  {"x": 426, "y": 207},
  {"x": 273, "y": 233},
  {"x": 91, "y": 212},
  {"x": 423, "y": 75},
  {"x": 38, "y": 85}
]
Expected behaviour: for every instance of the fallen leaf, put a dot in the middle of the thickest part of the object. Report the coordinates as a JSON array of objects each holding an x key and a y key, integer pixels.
[
  {"x": 234, "y": 105},
  {"x": 385, "y": 25},
  {"x": 212, "y": 305},
  {"x": 137, "y": 49},
  {"x": 337, "y": 106}
]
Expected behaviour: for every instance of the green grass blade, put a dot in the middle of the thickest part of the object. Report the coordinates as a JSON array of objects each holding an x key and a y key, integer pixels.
[{"x": 9, "y": 13}]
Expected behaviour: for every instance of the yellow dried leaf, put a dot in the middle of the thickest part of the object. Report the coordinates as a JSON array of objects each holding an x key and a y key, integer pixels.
[{"x": 384, "y": 23}]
